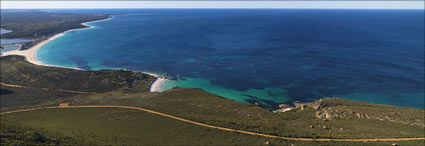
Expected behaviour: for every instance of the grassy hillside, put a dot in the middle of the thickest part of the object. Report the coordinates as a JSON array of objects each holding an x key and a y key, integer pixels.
[
  {"x": 327, "y": 118},
  {"x": 104, "y": 126},
  {"x": 200, "y": 106},
  {"x": 20, "y": 98},
  {"x": 119, "y": 126}
]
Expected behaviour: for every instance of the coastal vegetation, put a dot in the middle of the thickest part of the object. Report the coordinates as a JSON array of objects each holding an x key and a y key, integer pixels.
[
  {"x": 41, "y": 86},
  {"x": 39, "y": 25},
  {"x": 14, "y": 70},
  {"x": 32, "y": 23},
  {"x": 105, "y": 126},
  {"x": 17, "y": 71}
]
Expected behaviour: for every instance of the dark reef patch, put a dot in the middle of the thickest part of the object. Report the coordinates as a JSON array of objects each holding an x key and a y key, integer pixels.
[{"x": 80, "y": 62}]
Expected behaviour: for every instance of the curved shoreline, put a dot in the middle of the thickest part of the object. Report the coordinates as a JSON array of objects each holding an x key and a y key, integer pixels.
[
  {"x": 156, "y": 86},
  {"x": 31, "y": 54}
]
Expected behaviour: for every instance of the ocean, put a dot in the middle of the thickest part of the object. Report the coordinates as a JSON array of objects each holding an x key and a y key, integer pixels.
[{"x": 264, "y": 56}]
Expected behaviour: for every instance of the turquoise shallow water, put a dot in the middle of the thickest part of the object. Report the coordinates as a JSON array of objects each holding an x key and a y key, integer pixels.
[
  {"x": 275, "y": 94},
  {"x": 260, "y": 56}
]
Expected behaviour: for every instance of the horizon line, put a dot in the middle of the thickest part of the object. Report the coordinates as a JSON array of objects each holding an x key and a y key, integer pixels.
[
  {"x": 218, "y": 8},
  {"x": 212, "y": 4}
]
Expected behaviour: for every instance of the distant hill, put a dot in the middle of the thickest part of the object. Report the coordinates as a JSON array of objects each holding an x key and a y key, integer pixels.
[{"x": 39, "y": 25}]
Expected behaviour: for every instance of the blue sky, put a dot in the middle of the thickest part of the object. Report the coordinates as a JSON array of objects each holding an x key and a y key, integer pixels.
[{"x": 216, "y": 4}]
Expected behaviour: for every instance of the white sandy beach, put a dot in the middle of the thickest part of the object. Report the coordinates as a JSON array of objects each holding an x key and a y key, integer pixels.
[
  {"x": 31, "y": 55},
  {"x": 156, "y": 86}
]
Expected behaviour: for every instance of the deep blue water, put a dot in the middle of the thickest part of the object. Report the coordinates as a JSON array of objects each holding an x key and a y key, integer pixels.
[{"x": 268, "y": 56}]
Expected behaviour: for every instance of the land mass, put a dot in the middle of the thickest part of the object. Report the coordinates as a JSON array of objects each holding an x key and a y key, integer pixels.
[{"x": 38, "y": 25}]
